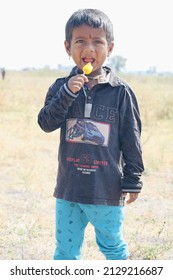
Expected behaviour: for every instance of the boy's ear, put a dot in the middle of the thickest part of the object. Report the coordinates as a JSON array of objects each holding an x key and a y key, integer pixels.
[
  {"x": 110, "y": 48},
  {"x": 67, "y": 47}
]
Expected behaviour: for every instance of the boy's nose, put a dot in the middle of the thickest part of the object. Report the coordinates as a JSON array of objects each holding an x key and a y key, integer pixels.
[{"x": 89, "y": 47}]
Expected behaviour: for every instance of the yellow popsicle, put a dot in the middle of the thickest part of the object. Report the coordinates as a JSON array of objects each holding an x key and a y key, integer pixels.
[{"x": 87, "y": 69}]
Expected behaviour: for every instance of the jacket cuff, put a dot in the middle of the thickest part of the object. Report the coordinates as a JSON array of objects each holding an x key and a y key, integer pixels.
[
  {"x": 69, "y": 91},
  {"x": 131, "y": 188}
]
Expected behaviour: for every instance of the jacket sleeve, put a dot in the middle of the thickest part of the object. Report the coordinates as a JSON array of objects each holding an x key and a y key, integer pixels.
[
  {"x": 58, "y": 100},
  {"x": 130, "y": 143}
]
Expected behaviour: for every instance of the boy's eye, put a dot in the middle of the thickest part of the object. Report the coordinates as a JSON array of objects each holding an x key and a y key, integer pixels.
[
  {"x": 80, "y": 41},
  {"x": 98, "y": 42}
]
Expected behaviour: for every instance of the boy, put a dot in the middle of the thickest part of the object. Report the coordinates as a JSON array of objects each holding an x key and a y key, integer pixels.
[{"x": 100, "y": 158}]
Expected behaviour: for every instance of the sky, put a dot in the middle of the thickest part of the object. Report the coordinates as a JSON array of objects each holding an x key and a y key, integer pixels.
[{"x": 32, "y": 32}]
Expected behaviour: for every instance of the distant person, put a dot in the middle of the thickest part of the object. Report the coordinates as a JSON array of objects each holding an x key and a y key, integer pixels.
[
  {"x": 100, "y": 158},
  {"x": 3, "y": 72}
]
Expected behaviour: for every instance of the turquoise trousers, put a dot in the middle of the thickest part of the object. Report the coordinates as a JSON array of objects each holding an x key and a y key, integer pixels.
[{"x": 71, "y": 221}]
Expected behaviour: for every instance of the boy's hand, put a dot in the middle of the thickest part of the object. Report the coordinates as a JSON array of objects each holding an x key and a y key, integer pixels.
[
  {"x": 132, "y": 197},
  {"x": 76, "y": 82}
]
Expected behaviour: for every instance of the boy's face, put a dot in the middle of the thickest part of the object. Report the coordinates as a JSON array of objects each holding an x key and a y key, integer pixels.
[{"x": 89, "y": 45}]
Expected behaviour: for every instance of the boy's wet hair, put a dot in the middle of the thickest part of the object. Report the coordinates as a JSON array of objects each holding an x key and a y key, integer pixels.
[{"x": 91, "y": 17}]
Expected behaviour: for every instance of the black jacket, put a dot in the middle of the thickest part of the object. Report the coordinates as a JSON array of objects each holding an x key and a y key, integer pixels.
[{"x": 99, "y": 153}]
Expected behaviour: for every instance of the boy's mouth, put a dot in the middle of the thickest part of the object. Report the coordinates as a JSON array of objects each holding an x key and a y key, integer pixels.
[{"x": 88, "y": 59}]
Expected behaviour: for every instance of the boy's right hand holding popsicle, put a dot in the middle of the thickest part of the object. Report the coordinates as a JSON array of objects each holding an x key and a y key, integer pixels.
[{"x": 76, "y": 82}]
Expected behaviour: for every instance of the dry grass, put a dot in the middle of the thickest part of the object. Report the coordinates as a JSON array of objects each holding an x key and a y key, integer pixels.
[{"x": 29, "y": 163}]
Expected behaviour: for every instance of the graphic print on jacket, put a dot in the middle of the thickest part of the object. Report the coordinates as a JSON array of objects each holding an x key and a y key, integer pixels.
[{"x": 87, "y": 131}]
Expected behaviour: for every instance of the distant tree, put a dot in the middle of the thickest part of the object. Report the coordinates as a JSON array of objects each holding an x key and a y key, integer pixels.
[
  {"x": 46, "y": 67},
  {"x": 117, "y": 63},
  {"x": 152, "y": 70}
]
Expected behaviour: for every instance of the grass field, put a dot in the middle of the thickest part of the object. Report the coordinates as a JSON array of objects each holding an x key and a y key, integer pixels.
[{"x": 29, "y": 163}]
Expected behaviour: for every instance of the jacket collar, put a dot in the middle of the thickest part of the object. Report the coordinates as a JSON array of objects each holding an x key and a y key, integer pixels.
[{"x": 110, "y": 77}]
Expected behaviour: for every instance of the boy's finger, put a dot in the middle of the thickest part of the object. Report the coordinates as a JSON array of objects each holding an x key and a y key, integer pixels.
[
  {"x": 85, "y": 78},
  {"x": 133, "y": 197}
]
